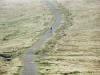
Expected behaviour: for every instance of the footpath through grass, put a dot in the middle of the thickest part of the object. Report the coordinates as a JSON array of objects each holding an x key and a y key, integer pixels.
[
  {"x": 21, "y": 24},
  {"x": 74, "y": 48}
]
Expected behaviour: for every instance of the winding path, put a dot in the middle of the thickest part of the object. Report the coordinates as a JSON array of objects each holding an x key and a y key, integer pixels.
[{"x": 29, "y": 66}]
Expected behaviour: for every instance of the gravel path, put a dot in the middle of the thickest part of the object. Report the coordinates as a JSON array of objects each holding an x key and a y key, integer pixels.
[{"x": 29, "y": 66}]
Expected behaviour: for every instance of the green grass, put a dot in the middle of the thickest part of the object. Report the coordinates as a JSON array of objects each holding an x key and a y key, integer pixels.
[
  {"x": 74, "y": 47},
  {"x": 21, "y": 26}
]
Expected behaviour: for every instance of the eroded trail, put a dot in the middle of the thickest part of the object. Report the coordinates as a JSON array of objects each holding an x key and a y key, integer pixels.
[{"x": 30, "y": 67}]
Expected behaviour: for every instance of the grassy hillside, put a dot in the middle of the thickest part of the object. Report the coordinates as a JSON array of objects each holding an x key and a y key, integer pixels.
[
  {"x": 74, "y": 48},
  {"x": 22, "y": 22}
]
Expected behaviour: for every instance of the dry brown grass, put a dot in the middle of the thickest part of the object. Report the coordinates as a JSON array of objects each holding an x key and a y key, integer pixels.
[
  {"x": 74, "y": 49},
  {"x": 22, "y": 22}
]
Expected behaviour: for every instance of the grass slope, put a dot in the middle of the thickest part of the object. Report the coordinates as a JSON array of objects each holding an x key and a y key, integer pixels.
[
  {"x": 74, "y": 48},
  {"x": 22, "y": 22}
]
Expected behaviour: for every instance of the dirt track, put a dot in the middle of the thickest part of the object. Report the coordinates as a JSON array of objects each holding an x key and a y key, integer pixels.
[{"x": 30, "y": 67}]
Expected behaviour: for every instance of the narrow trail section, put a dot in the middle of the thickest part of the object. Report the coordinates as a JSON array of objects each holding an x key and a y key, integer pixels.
[{"x": 30, "y": 68}]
